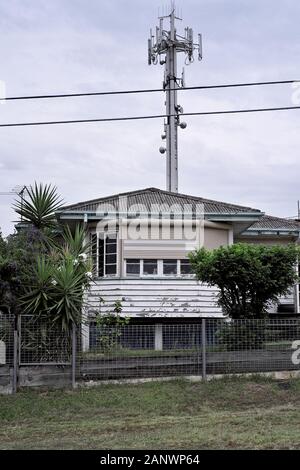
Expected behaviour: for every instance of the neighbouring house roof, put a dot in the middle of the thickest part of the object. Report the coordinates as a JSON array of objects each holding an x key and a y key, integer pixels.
[
  {"x": 153, "y": 196},
  {"x": 269, "y": 224}
]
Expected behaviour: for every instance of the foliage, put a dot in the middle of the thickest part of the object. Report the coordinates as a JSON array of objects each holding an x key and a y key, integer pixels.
[
  {"x": 44, "y": 269},
  {"x": 17, "y": 256},
  {"x": 40, "y": 209},
  {"x": 42, "y": 340},
  {"x": 241, "y": 335},
  {"x": 110, "y": 327},
  {"x": 249, "y": 277},
  {"x": 75, "y": 243},
  {"x": 57, "y": 289}
]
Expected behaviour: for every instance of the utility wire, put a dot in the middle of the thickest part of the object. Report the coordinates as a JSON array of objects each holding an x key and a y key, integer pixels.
[
  {"x": 153, "y": 116},
  {"x": 149, "y": 90}
]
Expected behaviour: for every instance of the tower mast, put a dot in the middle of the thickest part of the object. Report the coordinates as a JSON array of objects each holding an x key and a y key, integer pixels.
[{"x": 163, "y": 47}]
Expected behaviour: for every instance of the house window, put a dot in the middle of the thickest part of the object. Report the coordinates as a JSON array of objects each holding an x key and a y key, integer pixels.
[
  {"x": 101, "y": 245},
  {"x": 110, "y": 267},
  {"x": 150, "y": 267},
  {"x": 170, "y": 267},
  {"x": 104, "y": 254},
  {"x": 185, "y": 267},
  {"x": 154, "y": 267},
  {"x": 93, "y": 244},
  {"x": 133, "y": 267}
]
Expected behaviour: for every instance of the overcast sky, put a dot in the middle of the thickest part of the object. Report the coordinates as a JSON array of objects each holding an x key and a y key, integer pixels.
[{"x": 62, "y": 46}]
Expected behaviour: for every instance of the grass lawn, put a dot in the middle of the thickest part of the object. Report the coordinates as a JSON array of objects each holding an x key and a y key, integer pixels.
[{"x": 232, "y": 413}]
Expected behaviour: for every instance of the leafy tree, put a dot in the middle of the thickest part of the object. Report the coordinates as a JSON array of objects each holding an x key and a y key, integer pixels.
[
  {"x": 44, "y": 268},
  {"x": 17, "y": 255},
  {"x": 249, "y": 277}
]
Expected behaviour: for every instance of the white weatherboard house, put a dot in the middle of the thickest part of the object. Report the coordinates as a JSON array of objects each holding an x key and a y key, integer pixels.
[{"x": 139, "y": 251}]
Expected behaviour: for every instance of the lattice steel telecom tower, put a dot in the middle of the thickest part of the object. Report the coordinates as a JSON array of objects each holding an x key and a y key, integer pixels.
[{"x": 163, "y": 48}]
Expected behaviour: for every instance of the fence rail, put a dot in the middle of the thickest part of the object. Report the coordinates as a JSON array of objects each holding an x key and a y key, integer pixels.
[{"x": 35, "y": 352}]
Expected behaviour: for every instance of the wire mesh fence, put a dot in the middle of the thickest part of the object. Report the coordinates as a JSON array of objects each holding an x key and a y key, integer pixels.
[
  {"x": 137, "y": 351},
  {"x": 242, "y": 346},
  {"x": 42, "y": 342},
  {"x": 44, "y": 353},
  {"x": 6, "y": 352},
  {"x": 212, "y": 346},
  {"x": 33, "y": 351}
]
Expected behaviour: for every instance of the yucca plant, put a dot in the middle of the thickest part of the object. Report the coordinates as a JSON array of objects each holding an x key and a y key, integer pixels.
[
  {"x": 67, "y": 298},
  {"x": 40, "y": 206},
  {"x": 40, "y": 290},
  {"x": 56, "y": 284},
  {"x": 75, "y": 243},
  {"x": 57, "y": 289}
]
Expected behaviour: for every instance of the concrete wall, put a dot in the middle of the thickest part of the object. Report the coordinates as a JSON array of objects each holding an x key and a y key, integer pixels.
[{"x": 213, "y": 238}]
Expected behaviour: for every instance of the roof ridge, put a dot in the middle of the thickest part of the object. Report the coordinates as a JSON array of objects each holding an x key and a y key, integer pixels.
[
  {"x": 286, "y": 224},
  {"x": 161, "y": 191},
  {"x": 103, "y": 198},
  {"x": 183, "y": 195}
]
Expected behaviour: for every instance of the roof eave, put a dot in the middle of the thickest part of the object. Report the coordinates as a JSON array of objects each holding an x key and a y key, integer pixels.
[
  {"x": 217, "y": 217},
  {"x": 283, "y": 232}
]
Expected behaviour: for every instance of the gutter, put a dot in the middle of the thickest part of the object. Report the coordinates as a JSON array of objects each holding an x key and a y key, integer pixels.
[{"x": 215, "y": 216}]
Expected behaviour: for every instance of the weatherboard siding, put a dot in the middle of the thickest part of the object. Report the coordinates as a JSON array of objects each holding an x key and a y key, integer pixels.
[{"x": 142, "y": 298}]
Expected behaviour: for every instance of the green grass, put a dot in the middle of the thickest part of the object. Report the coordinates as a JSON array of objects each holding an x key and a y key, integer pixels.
[{"x": 232, "y": 413}]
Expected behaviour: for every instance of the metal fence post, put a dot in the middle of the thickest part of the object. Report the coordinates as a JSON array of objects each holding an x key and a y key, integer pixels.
[
  {"x": 16, "y": 355},
  {"x": 73, "y": 356},
  {"x": 203, "y": 348}
]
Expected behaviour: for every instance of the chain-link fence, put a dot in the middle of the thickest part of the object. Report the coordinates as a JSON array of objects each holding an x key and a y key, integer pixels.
[{"x": 35, "y": 352}]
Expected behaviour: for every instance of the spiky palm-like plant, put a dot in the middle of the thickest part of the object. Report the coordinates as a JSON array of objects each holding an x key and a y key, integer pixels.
[
  {"x": 67, "y": 298},
  {"x": 75, "y": 243},
  {"x": 56, "y": 289},
  {"x": 40, "y": 206},
  {"x": 40, "y": 288}
]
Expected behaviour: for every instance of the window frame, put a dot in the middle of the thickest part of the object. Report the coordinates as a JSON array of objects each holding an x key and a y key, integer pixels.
[
  {"x": 181, "y": 274},
  {"x": 133, "y": 274},
  {"x": 170, "y": 274},
  {"x": 95, "y": 254},
  {"x": 157, "y": 267},
  {"x": 160, "y": 270}
]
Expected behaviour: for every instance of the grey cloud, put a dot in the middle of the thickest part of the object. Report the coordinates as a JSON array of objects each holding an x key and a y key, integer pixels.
[{"x": 74, "y": 45}]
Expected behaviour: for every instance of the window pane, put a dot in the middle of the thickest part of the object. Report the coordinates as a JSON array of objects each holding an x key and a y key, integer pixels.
[
  {"x": 110, "y": 254},
  {"x": 100, "y": 257},
  {"x": 133, "y": 266},
  {"x": 111, "y": 238},
  {"x": 170, "y": 266},
  {"x": 185, "y": 267},
  {"x": 111, "y": 269},
  {"x": 111, "y": 259},
  {"x": 150, "y": 266},
  {"x": 111, "y": 248},
  {"x": 93, "y": 250}
]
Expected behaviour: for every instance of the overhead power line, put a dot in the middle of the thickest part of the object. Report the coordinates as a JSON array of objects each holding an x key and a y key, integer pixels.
[
  {"x": 153, "y": 116},
  {"x": 146, "y": 90}
]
